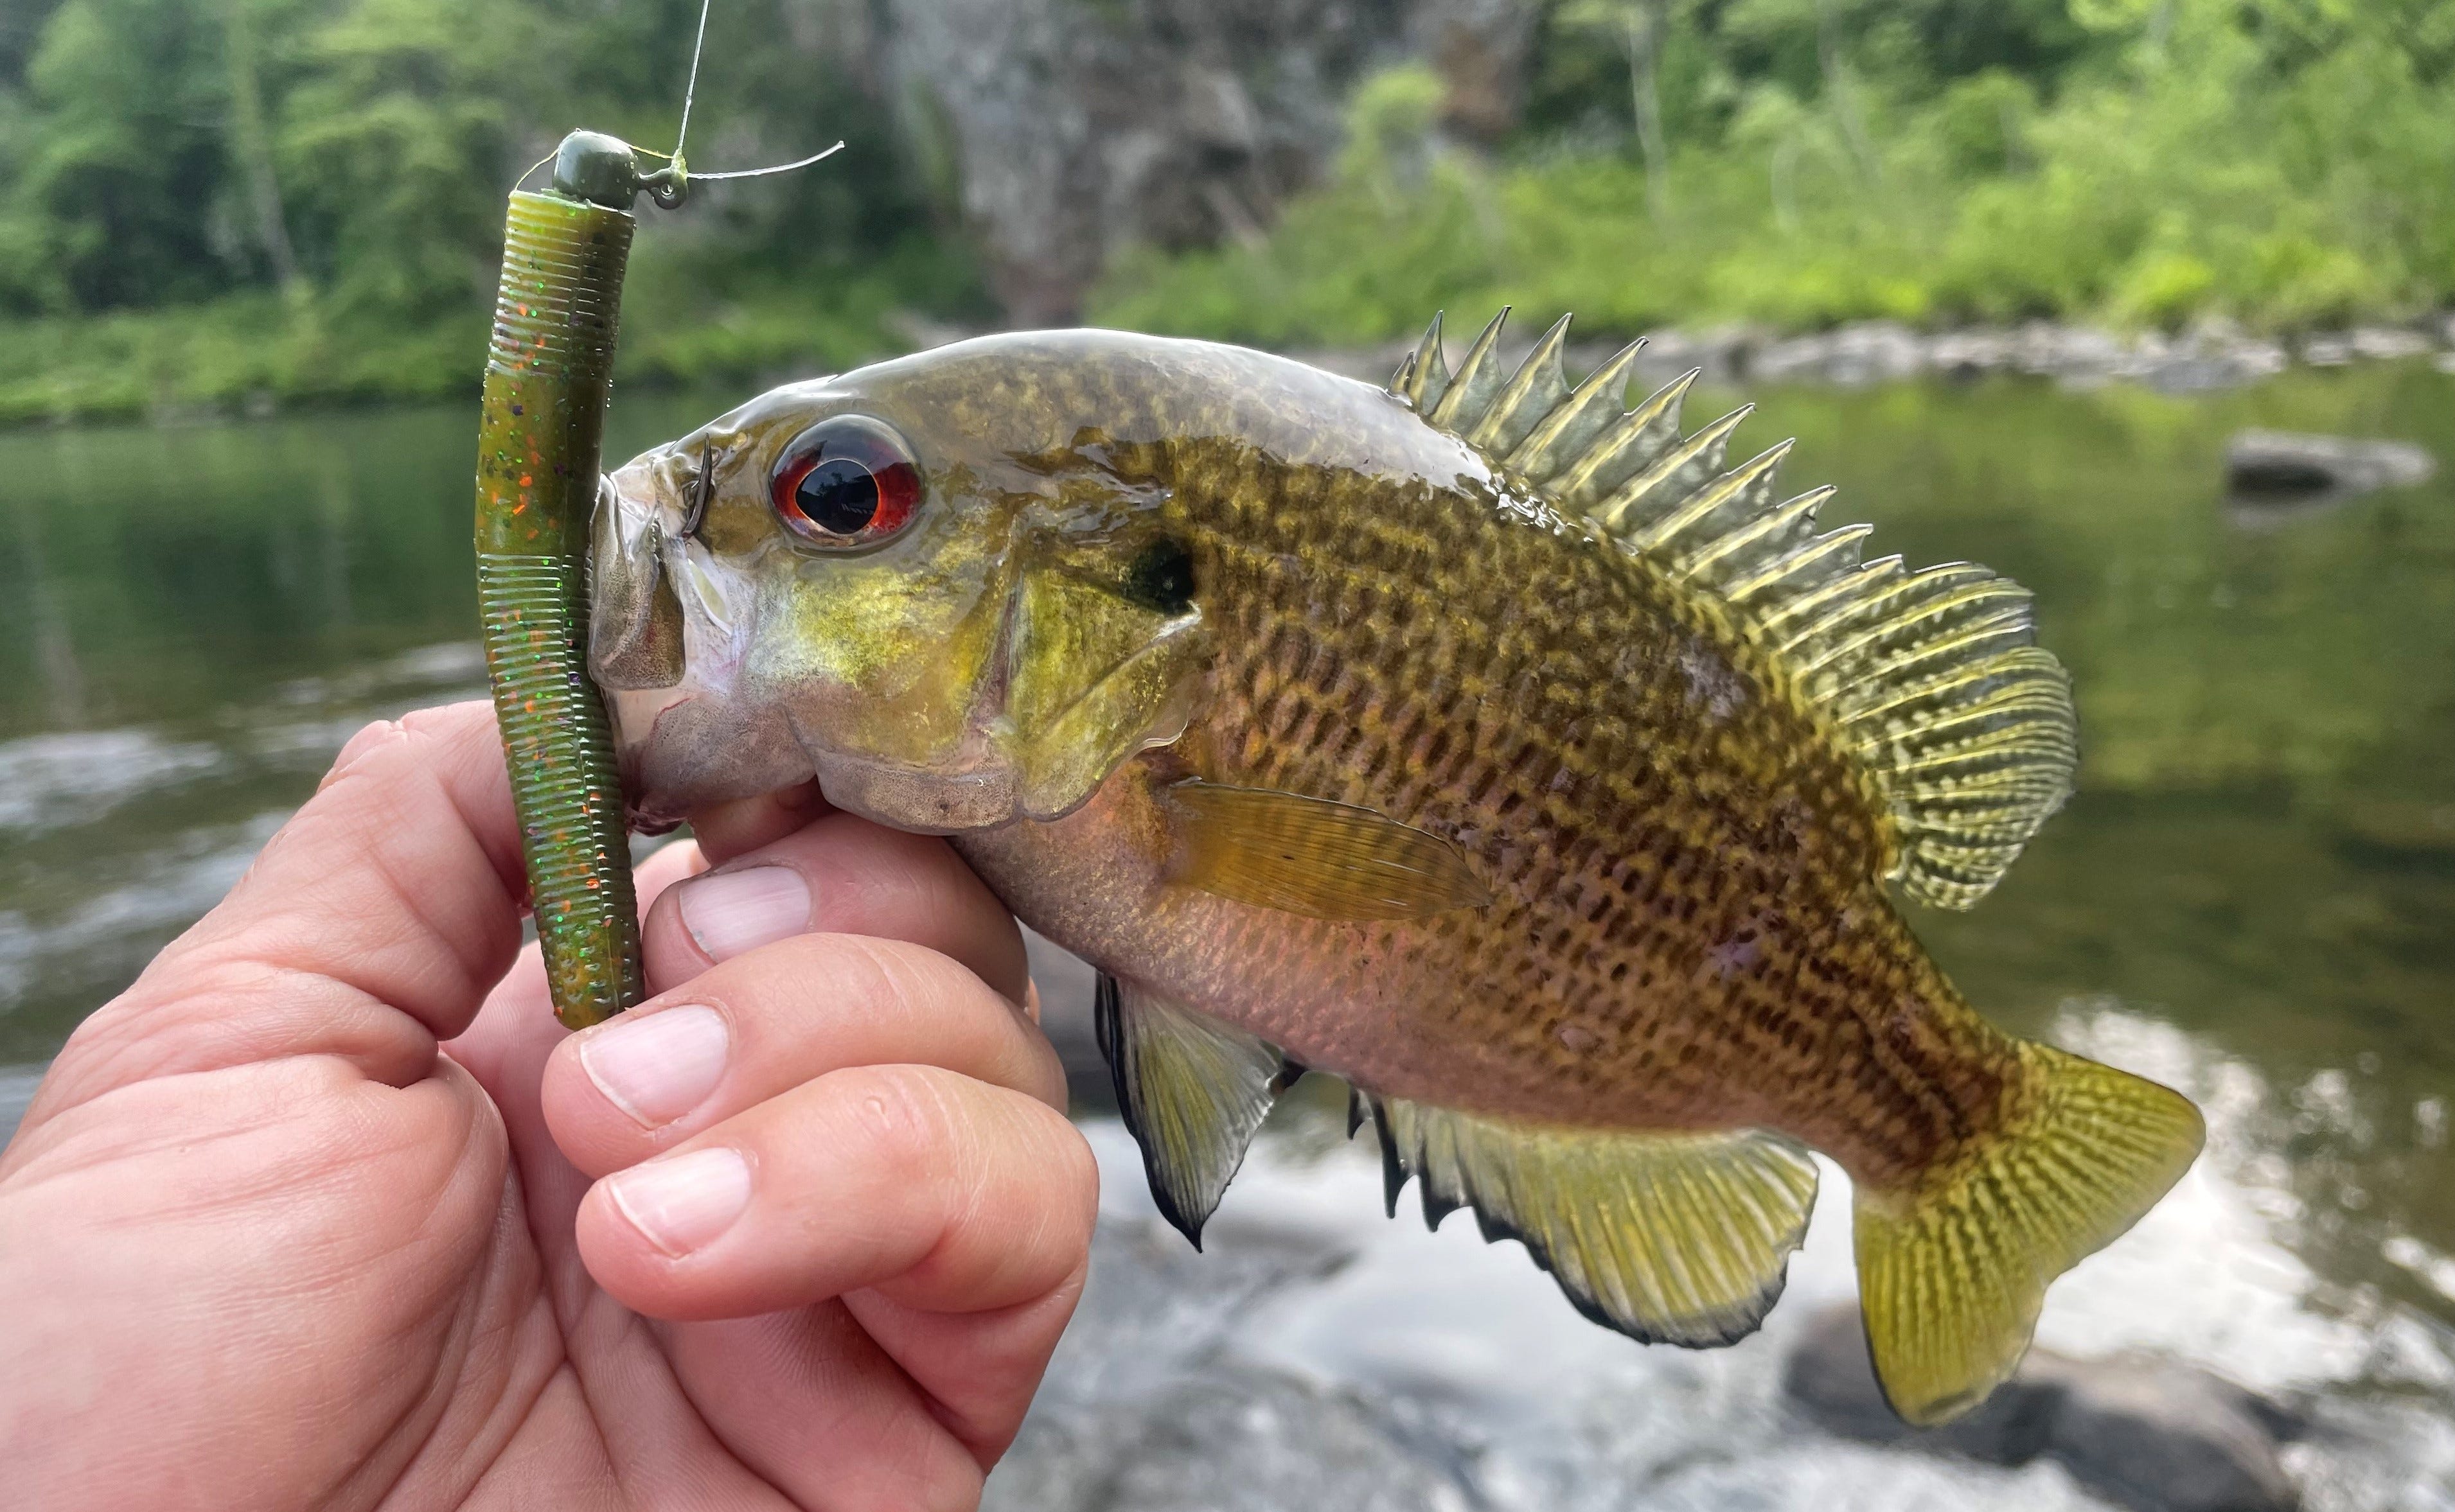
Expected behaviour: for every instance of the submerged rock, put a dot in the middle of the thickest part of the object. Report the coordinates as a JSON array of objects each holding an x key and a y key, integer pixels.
[
  {"x": 2281, "y": 469},
  {"x": 2287, "y": 462},
  {"x": 1147, "y": 1408},
  {"x": 2141, "y": 1431}
]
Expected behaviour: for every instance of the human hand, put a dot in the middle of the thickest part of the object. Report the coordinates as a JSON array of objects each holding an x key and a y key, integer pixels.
[{"x": 326, "y": 1211}]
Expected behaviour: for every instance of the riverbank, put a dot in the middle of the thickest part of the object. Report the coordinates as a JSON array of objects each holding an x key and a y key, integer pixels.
[
  {"x": 2212, "y": 357},
  {"x": 254, "y": 359},
  {"x": 254, "y": 355}
]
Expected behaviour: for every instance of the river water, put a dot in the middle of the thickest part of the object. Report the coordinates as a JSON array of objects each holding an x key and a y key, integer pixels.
[{"x": 2250, "y": 897}]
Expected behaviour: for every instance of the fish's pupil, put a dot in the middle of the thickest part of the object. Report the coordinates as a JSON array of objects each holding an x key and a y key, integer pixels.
[
  {"x": 1162, "y": 577},
  {"x": 837, "y": 495}
]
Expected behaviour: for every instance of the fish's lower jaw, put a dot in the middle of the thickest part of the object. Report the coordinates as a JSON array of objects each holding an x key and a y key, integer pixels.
[{"x": 921, "y": 800}]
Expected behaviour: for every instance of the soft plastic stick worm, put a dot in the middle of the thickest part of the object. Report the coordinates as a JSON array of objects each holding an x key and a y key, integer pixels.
[{"x": 548, "y": 371}]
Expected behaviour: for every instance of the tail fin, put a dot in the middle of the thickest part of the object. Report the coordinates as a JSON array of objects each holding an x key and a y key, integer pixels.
[{"x": 1952, "y": 1273}]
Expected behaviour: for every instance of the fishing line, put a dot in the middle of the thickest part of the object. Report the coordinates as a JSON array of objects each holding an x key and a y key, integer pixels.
[
  {"x": 531, "y": 169},
  {"x": 690, "y": 86},
  {"x": 763, "y": 172}
]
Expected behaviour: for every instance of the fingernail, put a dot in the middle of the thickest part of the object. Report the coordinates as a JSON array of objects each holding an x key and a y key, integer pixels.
[
  {"x": 684, "y": 1201},
  {"x": 659, "y": 1066},
  {"x": 731, "y": 912}
]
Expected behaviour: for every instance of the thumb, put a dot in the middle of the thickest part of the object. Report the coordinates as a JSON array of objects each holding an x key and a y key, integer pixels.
[{"x": 370, "y": 927}]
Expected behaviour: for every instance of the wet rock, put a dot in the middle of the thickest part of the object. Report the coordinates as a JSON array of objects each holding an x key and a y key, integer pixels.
[
  {"x": 1146, "y": 1409},
  {"x": 2212, "y": 355},
  {"x": 2326, "y": 350},
  {"x": 2387, "y": 343},
  {"x": 2283, "y": 468},
  {"x": 2143, "y": 1432},
  {"x": 1241, "y": 1439},
  {"x": 1724, "y": 354}
]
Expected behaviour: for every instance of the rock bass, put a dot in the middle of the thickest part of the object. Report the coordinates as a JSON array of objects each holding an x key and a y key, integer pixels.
[{"x": 1480, "y": 740}]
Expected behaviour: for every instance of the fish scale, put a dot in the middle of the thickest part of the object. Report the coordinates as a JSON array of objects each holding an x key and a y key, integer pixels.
[
  {"x": 1496, "y": 749},
  {"x": 1320, "y": 720}
]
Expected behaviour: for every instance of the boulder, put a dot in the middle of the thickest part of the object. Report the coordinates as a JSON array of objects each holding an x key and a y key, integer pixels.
[
  {"x": 2283, "y": 468},
  {"x": 2141, "y": 1431}
]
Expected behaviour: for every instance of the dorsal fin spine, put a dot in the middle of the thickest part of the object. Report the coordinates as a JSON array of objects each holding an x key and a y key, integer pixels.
[
  {"x": 1425, "y": 376},
  {"x": 1959, "y": 730},
  {"x": 1750, "y": 483},
  {"x": 1812, "y": 614},
  {"x": 1700, "y": 455},
  {"x": 1537, "y": 388},
  {"x": 1627, "y": 447},
  {"x": 1820, "y": 557},
  {"x": 1472, "y": 387},
  {"x": 1588, "y": 410},
  {"x": 1741, "y": 547}
]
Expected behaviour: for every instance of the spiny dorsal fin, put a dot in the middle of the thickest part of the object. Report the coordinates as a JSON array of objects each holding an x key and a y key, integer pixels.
[
  {"x": 1671, "y": 1238},
  {"x": 1192, "y": 1090},
  {"x": 1930, "y": 677}
]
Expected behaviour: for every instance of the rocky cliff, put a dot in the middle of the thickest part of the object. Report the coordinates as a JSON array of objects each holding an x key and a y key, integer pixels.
[{"x": 1070, "y": 129}]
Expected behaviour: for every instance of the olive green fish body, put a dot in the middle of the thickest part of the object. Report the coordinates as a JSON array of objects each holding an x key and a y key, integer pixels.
[
  {"x": 1483, "y": 742},
  {"x": 1687, "y": 927}
]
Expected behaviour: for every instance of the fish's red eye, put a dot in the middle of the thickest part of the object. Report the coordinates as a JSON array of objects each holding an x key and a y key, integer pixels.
[{"x": 849, "y": 481}]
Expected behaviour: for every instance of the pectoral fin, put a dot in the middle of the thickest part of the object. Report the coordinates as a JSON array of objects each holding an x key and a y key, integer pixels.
[
  {"x": 1312, "y": 856},
  {"x": 1193, "y": 1090}
]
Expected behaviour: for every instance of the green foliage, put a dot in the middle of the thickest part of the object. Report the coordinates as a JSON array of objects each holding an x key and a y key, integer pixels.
[
  {"x": 103, "y": 205},
  {"x": 2285, "y": 163},
  {"x": 169, "y": 157},
  {"x": 386, "y": 145},
  {"x": 2152, "y": 163}
]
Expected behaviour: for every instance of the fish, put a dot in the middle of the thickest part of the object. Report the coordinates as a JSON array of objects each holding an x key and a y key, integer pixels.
[{"x": 1480, "y": 739}]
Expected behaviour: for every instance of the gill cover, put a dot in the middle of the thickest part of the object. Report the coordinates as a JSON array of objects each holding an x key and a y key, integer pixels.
[
  {"x": 948, "y": 632},
  {"x": 634, "y": 621}
]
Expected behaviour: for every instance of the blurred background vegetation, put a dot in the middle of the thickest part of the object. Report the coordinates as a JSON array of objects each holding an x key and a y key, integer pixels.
[
  {"x": 213, "y": 203},
  {"x": 2282, "y": 163}
]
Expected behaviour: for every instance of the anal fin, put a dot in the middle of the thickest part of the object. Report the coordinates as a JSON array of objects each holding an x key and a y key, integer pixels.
[
  {"x": 1670, "y": 1237},
  {"x": 1192, "y": 1090}
]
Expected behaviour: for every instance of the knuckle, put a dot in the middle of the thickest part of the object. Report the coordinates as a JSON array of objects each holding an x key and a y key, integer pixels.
[
  {"x": 359, "y": 747},
  {"x": 898, "y": 975},
  {"x": 902, "y": 1117}
]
